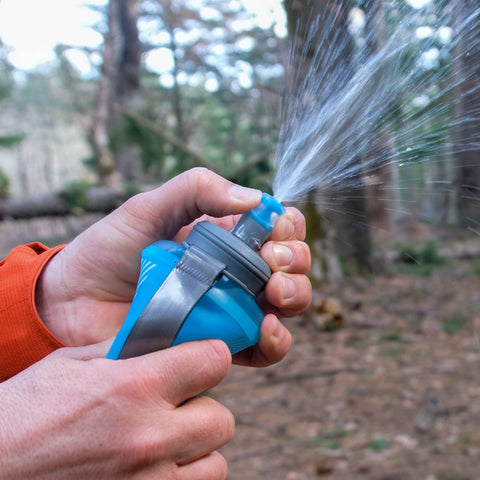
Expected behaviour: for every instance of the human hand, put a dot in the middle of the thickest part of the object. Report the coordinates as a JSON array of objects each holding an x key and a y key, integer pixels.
[
  {"x": 76, "y": 415},
  {"x": 84, "y": 293}
]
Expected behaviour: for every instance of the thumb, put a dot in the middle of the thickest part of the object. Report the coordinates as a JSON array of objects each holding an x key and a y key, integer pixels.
[
  {"x": 180, "y": 372},
  {"x": 183, "y": 199}
]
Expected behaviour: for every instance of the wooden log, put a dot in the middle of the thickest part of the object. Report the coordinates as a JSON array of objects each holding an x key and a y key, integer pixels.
[{"x": 97, "y": 199}]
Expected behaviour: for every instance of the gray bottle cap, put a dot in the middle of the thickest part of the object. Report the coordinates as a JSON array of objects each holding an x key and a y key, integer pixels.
[{"x": 243, "y": 265}]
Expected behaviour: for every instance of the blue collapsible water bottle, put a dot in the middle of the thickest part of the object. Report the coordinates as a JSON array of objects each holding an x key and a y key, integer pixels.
[{"x": 204, "y": 288}]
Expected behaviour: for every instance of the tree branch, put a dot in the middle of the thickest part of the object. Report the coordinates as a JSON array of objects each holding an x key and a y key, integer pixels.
[
  {"x": 172, "y": 139},
  {"x": 251, "y": 162}
]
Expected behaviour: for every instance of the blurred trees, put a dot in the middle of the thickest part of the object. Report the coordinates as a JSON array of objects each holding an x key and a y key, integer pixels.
[
  {"x": 12, "y": 138},
  {"x": 210, "y": 89},
  {"x": 182, "y": 83}
]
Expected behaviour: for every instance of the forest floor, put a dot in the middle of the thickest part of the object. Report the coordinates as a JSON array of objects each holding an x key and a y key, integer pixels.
[{"x": 392, "y": 394}]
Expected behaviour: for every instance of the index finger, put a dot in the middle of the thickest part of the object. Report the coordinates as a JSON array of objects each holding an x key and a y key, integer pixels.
[{"x": 290, "y": 226}]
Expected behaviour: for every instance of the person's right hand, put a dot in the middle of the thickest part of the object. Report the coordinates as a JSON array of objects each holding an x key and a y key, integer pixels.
[{"x": 76, "y": 415}]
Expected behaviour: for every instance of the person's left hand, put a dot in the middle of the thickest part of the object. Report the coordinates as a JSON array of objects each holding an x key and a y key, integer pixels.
[{"x": 85, "y": 291}]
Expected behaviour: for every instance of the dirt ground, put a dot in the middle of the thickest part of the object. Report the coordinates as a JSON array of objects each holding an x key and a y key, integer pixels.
[{"x": 394, "y": 393}]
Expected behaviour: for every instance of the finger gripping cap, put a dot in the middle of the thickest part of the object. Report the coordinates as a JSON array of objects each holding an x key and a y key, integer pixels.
[
  {"x": 255, "y": 226},
  {"x": 267, "y": 212}
]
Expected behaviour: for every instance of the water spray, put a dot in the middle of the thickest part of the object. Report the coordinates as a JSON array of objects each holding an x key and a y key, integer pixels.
[{"x": 204, "y": 288}]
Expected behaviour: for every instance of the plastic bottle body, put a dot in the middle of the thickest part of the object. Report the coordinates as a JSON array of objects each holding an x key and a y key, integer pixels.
[
  {"x": 204, "y": 288},
  {"x": 226, "y": 311}
]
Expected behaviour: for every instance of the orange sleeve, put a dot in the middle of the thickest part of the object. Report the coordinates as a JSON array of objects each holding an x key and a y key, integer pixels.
[{"x": 24, "y": 339}]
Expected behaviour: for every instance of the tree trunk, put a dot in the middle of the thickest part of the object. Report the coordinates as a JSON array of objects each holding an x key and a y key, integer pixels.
[
  {"x": 171, "y": 20},
  {"x": 383, "y": 192},
  {"x": 118, "y": 80},
  {"x": 467, "y": 121},
  {"x": 95, "y": 199},
  {"x": 128, "y": 79}
]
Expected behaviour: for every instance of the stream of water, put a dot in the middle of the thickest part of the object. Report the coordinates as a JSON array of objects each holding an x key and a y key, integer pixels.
[{"x": 392, "y": 97}]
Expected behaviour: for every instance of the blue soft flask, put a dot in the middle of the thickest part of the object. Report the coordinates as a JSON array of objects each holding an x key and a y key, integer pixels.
[{"x": 204, "y": 288}]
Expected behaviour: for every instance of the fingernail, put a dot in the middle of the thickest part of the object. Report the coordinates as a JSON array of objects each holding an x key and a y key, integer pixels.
[
  {"x": 289, "y": 287},
  {"x": 245, "y": 194},
  {"x": 283, "y": 255}
]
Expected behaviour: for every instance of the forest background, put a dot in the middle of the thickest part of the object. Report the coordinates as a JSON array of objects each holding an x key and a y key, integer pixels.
[{"x": 388, "y": 352}]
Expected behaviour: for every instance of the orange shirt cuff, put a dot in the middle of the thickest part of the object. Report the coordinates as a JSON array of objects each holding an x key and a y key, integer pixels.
[{"x": 24, "y": 339}]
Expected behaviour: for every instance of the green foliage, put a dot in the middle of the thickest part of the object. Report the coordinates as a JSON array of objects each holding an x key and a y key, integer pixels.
[
  {"x": 430, "y": 256},
  {"x": 332, "y": 444},
  {"x": 75, "y": 194},
  {"x": 379, "y": 444},
  {"x": 6, "y": 82},
  {"x": 8, "y": 141},
  {"x": 6, "y": 86},
  {"x": 4, "y": 184},
  {"x": 331, "y": 439},
  {"x": 394, "y": 337},
  {"x": 408, "y": 254},
  {"x": 153, "y": 149},
  {"x": 219, "y": 126},
  {"x": 89, "y": 162},
  {"x": 454, "y": 323},
  {"x": 420, "y": 261}
]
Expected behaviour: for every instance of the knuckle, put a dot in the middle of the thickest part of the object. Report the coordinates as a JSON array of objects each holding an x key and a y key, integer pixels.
[
  {"x": 277, "y": 295},
  {"x": 305, "y": 296},
  {"x": 130, "y": 383},
  {"x": 135, "y": 204},
  {"x": 300, "y": 261},
  {"x": 301, "y": 257},
  {"x": 304, "y": 289},
  {"x": 138, "y": 453},
  {"x": 218, "y": 422},
  {"x": 142, "y": 449},
  {"x": 267, "y": 253},
  {"x": 305, "y": 255},
  {"x": 307, "y": 289},
  {"x": 200, "y": 177},
  {"x": 298, "y": 221}
]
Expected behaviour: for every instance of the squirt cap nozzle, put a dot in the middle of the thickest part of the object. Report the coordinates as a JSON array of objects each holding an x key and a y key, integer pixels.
[
  {"x": 267, "y": 211},
  {"x": 255, "y": 226}
]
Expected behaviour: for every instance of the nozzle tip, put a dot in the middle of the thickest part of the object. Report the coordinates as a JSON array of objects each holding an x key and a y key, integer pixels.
[
  {"x": 267, "y": 211},
  {"x": 255, "y": 226}
]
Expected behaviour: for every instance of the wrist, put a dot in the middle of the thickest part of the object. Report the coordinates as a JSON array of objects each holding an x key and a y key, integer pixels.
[{"x": 49, "y": 301}]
